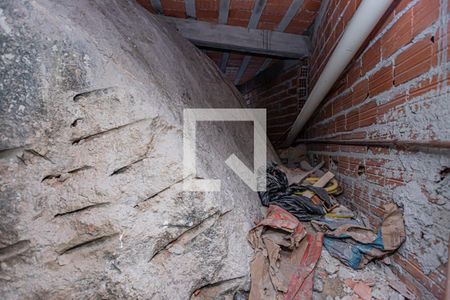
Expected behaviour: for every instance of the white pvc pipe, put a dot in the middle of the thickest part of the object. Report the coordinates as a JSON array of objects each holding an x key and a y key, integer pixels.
[{"x": 356, "y": 32}]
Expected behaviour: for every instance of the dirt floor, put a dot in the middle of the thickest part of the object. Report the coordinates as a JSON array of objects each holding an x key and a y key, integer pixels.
[{"x": 333, "y": 280}]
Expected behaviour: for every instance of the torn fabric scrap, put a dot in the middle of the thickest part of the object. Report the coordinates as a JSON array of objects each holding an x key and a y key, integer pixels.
[
  {"x": 357, "y": 245},
  {"x": 285, "y": 257}
]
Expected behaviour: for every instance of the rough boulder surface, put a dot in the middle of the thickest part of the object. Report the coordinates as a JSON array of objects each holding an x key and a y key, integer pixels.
[{"x": 92, "y": 96}]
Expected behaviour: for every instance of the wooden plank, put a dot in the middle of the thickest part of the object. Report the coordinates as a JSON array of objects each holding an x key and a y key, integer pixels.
[
  {"x": 156, "y": 4},
  {"x": 287, "y": 18},
  {"x": 258, "y": 8},
  {"x": 265, "y": 65},
  {"x": 189, "y": 6},
  {"x": 242, "y": 69},
  {"x": 242, "y": 39},
  {"x": 224, "y": 9},
  {"x": 289, "y": 15},
  {"x": 323, "y": 8},
  {"x": 224, "y": 62},
  {"x": 320, "y": 183}
]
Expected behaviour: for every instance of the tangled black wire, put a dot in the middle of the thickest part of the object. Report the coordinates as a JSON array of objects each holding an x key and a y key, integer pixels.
[{"x": 279, "y": 192}]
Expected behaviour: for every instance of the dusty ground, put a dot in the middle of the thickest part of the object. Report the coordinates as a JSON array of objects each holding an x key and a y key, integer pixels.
[{"x": 333, "y": 280}]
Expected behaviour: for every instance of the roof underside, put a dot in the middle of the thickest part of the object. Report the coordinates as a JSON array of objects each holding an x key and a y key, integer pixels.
[{"x": 289, "y": 16}]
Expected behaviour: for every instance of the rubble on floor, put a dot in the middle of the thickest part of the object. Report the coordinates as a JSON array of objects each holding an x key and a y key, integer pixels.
[
  {"x": 302, "y": 215},
  {"x": 356, "y": 245},
  {"x": 285, "y": 257},
  {"x": 335, "y": 281}
]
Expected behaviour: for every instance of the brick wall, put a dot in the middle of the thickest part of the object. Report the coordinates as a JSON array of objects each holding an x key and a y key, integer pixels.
[
  {"x": 283, "y": 95},
  {"x": 396, "y": 88}
]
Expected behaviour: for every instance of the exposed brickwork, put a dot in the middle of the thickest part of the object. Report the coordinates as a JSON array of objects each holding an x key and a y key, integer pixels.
[
  {"x": 174, "y": 8},
  {"x": 240, "y": 12},
  {"x": 234, "y": 62},
  {"x": 239, "y": 15},
  {"x": 215, "y": 56},
  {"x": 396, "y": 88},
  {"x": 253, "y": 67},
  {"x": 304, "y": 18},
  {"x": 283, "y": 98},
  {"x": 207, "y": 10}
]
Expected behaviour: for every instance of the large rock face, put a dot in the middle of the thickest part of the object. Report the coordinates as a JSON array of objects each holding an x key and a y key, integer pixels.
[{"x": 92, "y": 95}]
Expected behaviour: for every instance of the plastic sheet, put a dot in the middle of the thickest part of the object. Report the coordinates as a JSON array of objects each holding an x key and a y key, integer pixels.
[{"x": 288, "y": 197}]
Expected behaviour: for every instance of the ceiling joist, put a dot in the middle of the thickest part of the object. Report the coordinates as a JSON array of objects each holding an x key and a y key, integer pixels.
[
  {"x": 258, "y": 8},
  {"x": 224, "y": 10},
  {"x": 295, "y": 6},
  {"x": 242, "y": 39}
]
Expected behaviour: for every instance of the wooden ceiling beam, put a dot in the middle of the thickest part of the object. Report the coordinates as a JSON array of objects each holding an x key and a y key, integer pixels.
[
  {"x": 242, "y": 39},
  {"x": 257, "y": 11},
  {"x": 224, "y": 10},
  {"x": 292, "y": 11}
]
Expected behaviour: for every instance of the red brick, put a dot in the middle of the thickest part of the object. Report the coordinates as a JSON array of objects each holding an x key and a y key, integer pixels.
[
  {"x": 418, "y": 275},
  {"x": 423, "y": 87},
  {"x": 384, "y": 108},
  {"x": 352, "y": 120},
  {"x": 301, "y": 21},
  {"x": 368, "y": 110},
  {"x": 354, "y": 73},
  {"x": 354, "y": 136},
  {"x": 364, "y": 205},
  {"x": 413, "y": 62},
  {"x": 371, "y": 57},
  {"x": 381, "y": 81},
  {"x": 389, "y": 182},
  {"x": 206, "y": 4},
  {"x": 207, "y": 15},
  {"x": 409, "y": 282},
  {"x": 439, "y": 278},
  {"x": 346, "y": 101},
  {"x": 401, "y": 5},
  {"x": 355, "y": 149},
  {"x": 175, "y": 13},
  {"x": 279, "y": 96},
  {"x": 242, "y": 4},
  {"x": 375, "y": 170},
  {"x": 425, "y": 13},
  {"x": 399, "y": 35},
  {"x": 312, "y": 5},
  {"x": 360, "y": 92},
  {"x": 379, "y": 180},
  {"x": 340, "y": 124},
  {"x": 378, "y": 211},
  {"x": 240, "y": 14},
  {"x": 173, "y": 6},
  {"x": 379, "y": 150},
  {"x": 348, "y": 14},
  {"x": 237, "y": 22},
  {"x": 367, "y": 122}
]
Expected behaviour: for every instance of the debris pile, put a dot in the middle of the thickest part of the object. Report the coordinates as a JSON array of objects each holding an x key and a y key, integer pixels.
[
  {"x": 303, "y": 214},
  {"x": 306, "y": 202},
  {"x": 333, "y": 281},
  {"x": 285, "y": 257},
  {"x": 356, "y": 245}
]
